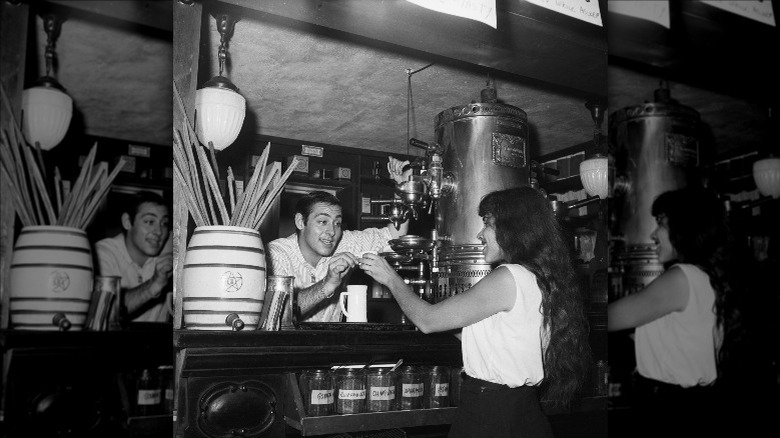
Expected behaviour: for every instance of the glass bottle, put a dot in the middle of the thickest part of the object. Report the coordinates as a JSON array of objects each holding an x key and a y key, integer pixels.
[
  {"x": 166, "y": 387},
  {"x": 317, "y": 390},
  {"x": 148, "y": 394},
  {"x": 350, "y": 391},
  {"x": 381, "y": 391},
  {"x": 410, "y": 388}
]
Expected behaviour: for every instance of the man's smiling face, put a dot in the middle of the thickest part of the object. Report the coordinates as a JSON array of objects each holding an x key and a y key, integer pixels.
[
  {"x": 149, "y": 229},
  {"x": 321, "y": 232}
]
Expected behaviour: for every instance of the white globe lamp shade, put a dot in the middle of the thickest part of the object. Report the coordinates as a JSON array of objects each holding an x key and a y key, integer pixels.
[
  {"x": 593, "y": 173},
  {"x": 46, "y": 114},
  {"x": 766, "y": 174},
  {"x": 219, "y": 114}
]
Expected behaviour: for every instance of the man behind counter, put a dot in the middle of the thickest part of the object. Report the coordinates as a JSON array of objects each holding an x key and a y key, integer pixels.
[
  {"x": 320, "y": 255},
  {"x": 138, "y": 257}
]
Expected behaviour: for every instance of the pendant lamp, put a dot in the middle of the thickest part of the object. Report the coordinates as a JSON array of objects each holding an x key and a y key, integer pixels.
[
  {"x": 766, "y": 174},
  {"x": 594, "y": 170},
  {"x": 46, "y": 107},
  {"x": 219, "y": 108}
]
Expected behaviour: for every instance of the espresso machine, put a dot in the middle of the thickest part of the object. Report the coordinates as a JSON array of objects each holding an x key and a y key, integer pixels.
[{"x": 479, "y": 147}]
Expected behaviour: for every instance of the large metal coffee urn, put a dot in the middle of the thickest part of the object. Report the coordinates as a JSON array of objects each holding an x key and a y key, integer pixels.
[
  {"x": 656, "y": 147},
  {"x": 484, "y": 148}
]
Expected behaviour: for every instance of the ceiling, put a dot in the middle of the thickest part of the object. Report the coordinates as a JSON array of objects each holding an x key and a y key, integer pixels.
[
  {"x": 117, "y": 71},
  {"x": 308, "y": 81},
  {"x": 312, "y": 84},
  {"x": 720, "y": 64}
]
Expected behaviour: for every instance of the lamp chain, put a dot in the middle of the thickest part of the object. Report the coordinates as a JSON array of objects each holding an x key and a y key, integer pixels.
[
  {"x": 225, "y": 26},
  {"x": 52, "y": 25},
  {"x": 410, "y": 101}
]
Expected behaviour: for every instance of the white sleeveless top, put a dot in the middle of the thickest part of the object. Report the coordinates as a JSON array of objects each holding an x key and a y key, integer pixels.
[
  {"x": 680, "y": 347},
  {"x": 507, "y": 348}
]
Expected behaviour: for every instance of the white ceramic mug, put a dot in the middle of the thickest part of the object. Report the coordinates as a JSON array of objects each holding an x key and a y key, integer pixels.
[{"x": 357, "y": 295}]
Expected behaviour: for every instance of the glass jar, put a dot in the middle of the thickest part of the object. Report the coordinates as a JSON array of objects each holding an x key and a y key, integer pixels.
[
  {"x": 381, "y": 389},
  {"x": 350, "y": 391},
  {"x": 317, "y": 391},
  {"x": 410, "y": 387},
  {"x": 437, "y": 387},
  {"x": 456, "y": 380}
]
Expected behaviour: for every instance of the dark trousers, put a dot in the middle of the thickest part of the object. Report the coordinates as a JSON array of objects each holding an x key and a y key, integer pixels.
[
  {"x": 662, "y": 409},
  {"x": 497, "y": 411}
]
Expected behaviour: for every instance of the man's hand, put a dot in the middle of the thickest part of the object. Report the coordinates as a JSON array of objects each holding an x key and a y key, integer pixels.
[
  {"x": 395, "y": 167},
  {"x": 340, "y": 265},
  {"x": 162, "y": 272}
]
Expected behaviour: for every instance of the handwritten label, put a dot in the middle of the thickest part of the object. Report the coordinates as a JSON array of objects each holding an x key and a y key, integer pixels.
[
  {"x": 655, "y": 11},
  {"x": 483, "y": 11},
  {"x": 352, "y": 394},
  {"x": 584, "y": 10},
  {"x": 149, "y": 397},
  {"x": 321, "y": 396},
  {"x": 412, "y": 390},
  {"x": 760, "y": 11},
  {"x": 382, "y": 393},
  {"x": 441, "y": 389}
]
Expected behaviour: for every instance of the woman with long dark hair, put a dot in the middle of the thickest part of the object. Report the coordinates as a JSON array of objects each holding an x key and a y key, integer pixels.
[
  {"x": 682, "y": 316},
  {"x": 524, "y": 333}
]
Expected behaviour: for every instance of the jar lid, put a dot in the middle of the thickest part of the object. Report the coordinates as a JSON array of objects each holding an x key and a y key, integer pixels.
[
  {"x": 438, "y": 368},
  {"x": 409, "y": 369},
  {"x": 350, "y": 371},
  {"x": 379, "y": 371},
  {"x": 317, "y": 371}
]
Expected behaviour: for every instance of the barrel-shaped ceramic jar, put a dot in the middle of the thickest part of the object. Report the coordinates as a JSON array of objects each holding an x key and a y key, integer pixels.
[
  {"x": 224, "y": 279},
  {"x": 51, "y": 278}
]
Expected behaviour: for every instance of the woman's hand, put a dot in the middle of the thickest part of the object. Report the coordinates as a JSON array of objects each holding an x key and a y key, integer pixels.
[{"x": 378, "y": 268}]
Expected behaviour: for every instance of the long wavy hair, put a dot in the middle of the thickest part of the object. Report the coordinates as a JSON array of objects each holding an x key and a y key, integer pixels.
[
  {"x": 529, "y": 234},
  {"x": 699, "y": 232}
]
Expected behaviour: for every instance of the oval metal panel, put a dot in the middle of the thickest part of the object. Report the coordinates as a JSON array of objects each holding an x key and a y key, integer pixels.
[{"x": 229, "y": 410}]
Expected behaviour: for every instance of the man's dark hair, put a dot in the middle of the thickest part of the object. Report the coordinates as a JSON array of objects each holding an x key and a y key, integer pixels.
[
  {"x": 305, "y": 205},
  {"x": 140, "y": 198}
]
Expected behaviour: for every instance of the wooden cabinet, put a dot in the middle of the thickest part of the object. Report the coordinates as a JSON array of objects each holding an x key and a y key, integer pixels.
[
  {"x": 82, "y": 384},
  {"x": 587, "y": 234},
  {"x": 348, "y": 173}
]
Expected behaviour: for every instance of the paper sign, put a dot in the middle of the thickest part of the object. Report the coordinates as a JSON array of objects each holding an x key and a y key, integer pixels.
[
  {"x": 483, "y": 11},
  {"x": 656, "y": 11},
  {"x": 754, "y": 9},
  {"x": 585, "y": 10}
]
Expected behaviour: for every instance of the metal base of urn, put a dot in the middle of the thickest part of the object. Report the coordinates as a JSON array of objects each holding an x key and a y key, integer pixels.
[{"x": 460, "y": 267}]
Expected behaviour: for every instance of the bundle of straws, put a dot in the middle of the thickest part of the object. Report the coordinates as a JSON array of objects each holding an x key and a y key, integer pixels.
[
  {"x": 30, "y": 192},
  {"x": 198, "y": 174}
]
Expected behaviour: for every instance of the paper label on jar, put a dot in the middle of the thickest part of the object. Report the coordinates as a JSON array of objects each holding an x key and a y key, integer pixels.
[
  {"x": 382, "y": 393},
  {"x": 148, "y": 397},
  {"x": 412, "y": 390},
  {"x": 169, "y": 394},
  {"x": 441, "y": 389},
  {"x": 352, "y": 394},
  {"x": 321, "y": 396}
]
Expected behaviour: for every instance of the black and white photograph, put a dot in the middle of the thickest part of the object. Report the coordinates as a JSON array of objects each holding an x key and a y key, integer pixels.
[{"x": 389, "y": 218}]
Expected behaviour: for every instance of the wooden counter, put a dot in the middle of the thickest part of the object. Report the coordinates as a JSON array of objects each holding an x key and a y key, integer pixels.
[{"x": 254, "y": 375}]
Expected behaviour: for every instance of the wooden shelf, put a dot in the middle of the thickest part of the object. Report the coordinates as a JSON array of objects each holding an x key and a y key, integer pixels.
[{"x": 563, "y": 185}]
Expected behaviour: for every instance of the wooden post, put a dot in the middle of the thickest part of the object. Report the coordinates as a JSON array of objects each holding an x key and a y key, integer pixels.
[
  {"x": 187, "y": 19},
  {"x": 186, "y": 50},
  {"x": 13, "y": 43}
]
